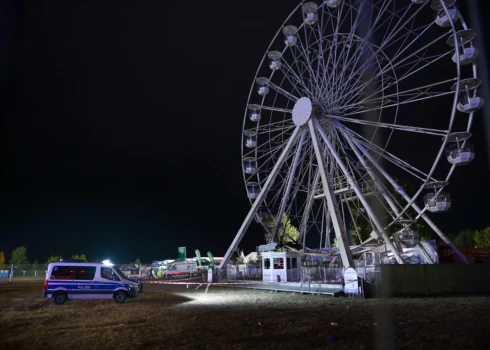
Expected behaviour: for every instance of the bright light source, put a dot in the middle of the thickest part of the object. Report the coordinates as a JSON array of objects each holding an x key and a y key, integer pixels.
[{"x": 107, "y": 262}]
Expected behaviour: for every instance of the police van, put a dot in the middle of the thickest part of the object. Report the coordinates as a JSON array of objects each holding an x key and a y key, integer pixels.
[{"x": 80, "y": 280}]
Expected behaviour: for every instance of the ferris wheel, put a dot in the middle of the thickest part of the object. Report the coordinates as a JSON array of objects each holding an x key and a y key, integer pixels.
[{"x": 351, "y": 97}]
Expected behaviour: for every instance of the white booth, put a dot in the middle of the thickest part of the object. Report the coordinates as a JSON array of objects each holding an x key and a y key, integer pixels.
[{"x": 280, "y": 266}]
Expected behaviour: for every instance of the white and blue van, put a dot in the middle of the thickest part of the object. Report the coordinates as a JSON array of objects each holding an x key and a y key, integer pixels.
[{"x": 81, "y": 280}]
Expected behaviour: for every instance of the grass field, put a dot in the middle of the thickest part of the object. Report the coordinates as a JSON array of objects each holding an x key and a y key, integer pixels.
[{"x": 176, "y": 317}]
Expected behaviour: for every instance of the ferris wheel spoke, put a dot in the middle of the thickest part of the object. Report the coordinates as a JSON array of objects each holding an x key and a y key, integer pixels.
[
  {"x": 385, "y": 43},
  {"x": 283, "y": 92},
  {"x": 324, "y": 22},
  {"x": 297, "y": 72},
  {"x": 363, "y": 46},
  {"x": 394, "y": 126},
  {"x": 345, "y": 90},
  {"x": 276, "y": 130},
  {"x": 410, "y": 71},
  {"x": 405, "y": 47},
  {"x": 277, "y": 109},
  {"x": 268, "y": 151},
  {"x": 325, "y": 71},
  {"x": 387, "y": 103},
  {"x": 346, "y": 49},
  {"x": 307, "y": 63},
  {"x": 401, "y": 26},
  {"x": 394, "y": 64},
  {"x": 298, "y": 84},
  {"x": 410, "y": 95},
  {"x": 401, "y": 164}
]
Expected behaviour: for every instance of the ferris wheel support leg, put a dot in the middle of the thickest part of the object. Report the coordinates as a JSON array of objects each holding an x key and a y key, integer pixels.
[
  {"x": 260, "y": 197},
  {"x": 405, "y": 196},
  {"x": 359, "y": 194},
  {"x": 333, "y": 206},
  {"x": 327, "y": 228},
  {"x": 289, "y": 183},
  {"x": 306, "y": 212},
  {"x": 387, "y": 198}
]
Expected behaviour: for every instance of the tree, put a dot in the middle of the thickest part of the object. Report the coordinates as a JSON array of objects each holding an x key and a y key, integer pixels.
[
  {"x": 465, "y": 238},
  {"x": 238, "y": 257},
  {"x": 361, "y": 226},
  {"x": 137, "y": 262},
  {"x": 79, "y": 257},
  {"x": 19, "y": 256},
  {"x": 482, "y": 238},
  {"x": 54, "y": 258},
  {"x": 2, "y": 259},
  {"x": 287, "y": 232}
]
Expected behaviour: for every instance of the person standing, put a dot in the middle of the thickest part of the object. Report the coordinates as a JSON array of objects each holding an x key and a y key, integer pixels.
[{"x": 150, "y": 276}]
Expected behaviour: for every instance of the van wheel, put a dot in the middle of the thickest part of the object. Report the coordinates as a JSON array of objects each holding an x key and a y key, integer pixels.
[
  {"x": 60, "y": 298},
  {"x": 120, "y": 296}
]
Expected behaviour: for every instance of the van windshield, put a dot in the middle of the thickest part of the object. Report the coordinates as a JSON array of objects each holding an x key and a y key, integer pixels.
[{"x": 119, "y": 272}]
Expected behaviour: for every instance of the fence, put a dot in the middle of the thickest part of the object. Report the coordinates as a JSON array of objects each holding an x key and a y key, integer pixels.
[
  {"x": 403, "y": 280},
  {"x": 251, "y": 272},
  {"x": 40, "y": 270},
  {"x": 319, "y": 274},
  {"x": 27, "y": 270}
]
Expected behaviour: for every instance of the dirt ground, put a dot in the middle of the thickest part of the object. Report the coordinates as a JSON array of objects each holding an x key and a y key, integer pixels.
[{"x": 176, "y": 317}]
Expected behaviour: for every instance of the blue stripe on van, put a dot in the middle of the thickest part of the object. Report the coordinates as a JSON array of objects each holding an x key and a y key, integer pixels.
[{"x": 88, "y": 286}]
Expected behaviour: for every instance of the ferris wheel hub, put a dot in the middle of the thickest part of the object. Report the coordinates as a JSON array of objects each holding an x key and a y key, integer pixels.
[{"x": 302, "y": 111}]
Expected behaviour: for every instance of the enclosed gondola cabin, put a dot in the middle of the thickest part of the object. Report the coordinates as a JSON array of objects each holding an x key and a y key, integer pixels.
[
  {"x": 250, "y": 138},
  {"x": 462, "y": 42},
  {"x": 290, "y": 35},
  {"x": 250, "y": 165},
  {"x": 262, "y": 86},
  {"x": 437, "y": 201},
  {"x": 253, "y": 189},
  {"x": 254, "y": 112},
  {"x": 459, "y": 151}
]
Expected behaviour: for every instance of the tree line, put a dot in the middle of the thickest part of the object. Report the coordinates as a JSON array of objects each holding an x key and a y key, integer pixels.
[
  {"x": 19, "y": 257},
  {"x": 472, "y": 238}
]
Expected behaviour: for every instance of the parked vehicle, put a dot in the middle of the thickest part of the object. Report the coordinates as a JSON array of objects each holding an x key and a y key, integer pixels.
[
  {"x": 76, "y": 280},
  {"x": 182, "y": 269}
]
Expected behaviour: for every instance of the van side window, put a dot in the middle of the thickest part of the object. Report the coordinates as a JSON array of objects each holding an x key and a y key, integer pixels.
[
  {"x": 63, "y": 272},
  {"x": 86, "y": 273},
  {"x": 108, "y": 274}
]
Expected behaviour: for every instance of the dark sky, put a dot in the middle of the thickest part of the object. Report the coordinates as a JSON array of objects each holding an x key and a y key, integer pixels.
[{"x": 121, "y": 127}]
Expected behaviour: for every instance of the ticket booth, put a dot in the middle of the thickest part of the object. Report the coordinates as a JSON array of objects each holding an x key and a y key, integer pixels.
[{"x": 280, "y": 266}]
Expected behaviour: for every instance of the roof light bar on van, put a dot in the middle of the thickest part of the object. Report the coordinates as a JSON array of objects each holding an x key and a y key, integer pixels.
[{"x": 107, "y": 262}]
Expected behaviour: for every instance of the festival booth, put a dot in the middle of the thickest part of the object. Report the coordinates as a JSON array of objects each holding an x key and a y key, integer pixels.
[{"x": 280, "y": 266}]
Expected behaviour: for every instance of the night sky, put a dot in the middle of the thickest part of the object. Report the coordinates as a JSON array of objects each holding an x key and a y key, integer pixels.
[{"x": 121, "y": 127}]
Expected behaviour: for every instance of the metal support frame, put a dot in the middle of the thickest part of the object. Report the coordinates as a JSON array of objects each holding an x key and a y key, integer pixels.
[
  {"x": 260, "y": 198},
  {"x": 405, "y": 196},
  {"x": 306, "y": 212},
  {"x": 332, "y": 203},
  {"x": 381, "y": 188},
  {"x": 289, "y": 184},
  {"x": 359, "y": 194}
]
